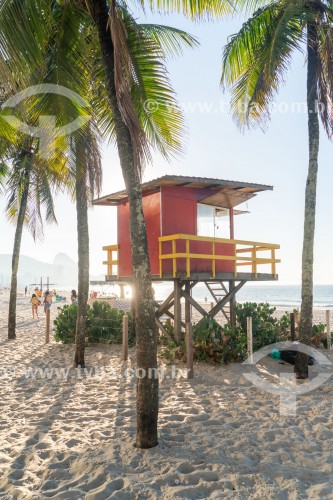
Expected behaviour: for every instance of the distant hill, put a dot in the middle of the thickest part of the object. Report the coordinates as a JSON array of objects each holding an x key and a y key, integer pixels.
[{"x": 62, "y": 272}]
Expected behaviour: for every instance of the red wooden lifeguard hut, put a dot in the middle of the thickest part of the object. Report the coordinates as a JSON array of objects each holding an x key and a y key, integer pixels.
[{"x": 190, "y": 229}]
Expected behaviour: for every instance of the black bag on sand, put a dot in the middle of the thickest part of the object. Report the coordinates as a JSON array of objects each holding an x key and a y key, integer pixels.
[{"x": 290, "y": 357}]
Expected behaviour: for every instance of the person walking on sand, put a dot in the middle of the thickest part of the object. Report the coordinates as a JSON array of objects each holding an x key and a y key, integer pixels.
[
  {"x": 73, "y": 297},
  {"x": 47, "y": 302},
  {"x": 34, "y": 304},
  {"x": 25, "y": 291}
]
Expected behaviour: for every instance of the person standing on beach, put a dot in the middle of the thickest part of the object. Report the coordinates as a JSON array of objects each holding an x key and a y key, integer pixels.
[
  {"x": 25, "y": 291},
  {"x": 47, "y": 302},
  {"x": 73, "y": 297},
  {"x": 38, "y": 294},
  {"x": 34, "y": 304}
]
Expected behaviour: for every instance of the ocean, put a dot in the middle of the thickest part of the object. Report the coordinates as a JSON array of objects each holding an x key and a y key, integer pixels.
[{"x": 281, "y": 296}]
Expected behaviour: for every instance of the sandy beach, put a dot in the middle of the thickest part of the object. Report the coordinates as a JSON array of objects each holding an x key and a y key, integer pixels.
[{"x": 65, "y": 434}]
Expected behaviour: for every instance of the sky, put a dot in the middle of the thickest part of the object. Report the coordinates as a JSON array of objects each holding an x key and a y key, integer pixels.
[{"x": 215, "y": 147}]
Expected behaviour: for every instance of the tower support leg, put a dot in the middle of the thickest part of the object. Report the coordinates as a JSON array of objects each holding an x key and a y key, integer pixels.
[
  {"x": 177, "y": 309},
  {"x": 232, "y": 305},
  {"x": 187, "y": 303}
]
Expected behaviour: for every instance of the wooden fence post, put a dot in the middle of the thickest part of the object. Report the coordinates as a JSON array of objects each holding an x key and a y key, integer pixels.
[
  {"x": 292, "y": 326},
  {"x": 249, "y": 338},
  {"x": 47, "y": 329},
  {"x": 189, "y": 350},
  {"x": 125, "y": 338},
  {"x": 328, "y": 329}
]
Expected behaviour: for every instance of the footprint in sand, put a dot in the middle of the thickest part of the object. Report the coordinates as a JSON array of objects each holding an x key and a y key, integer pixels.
[
  {"x": 178, "y": 438},
  {"x": 42, "y": 446},
  {"x": 200, "y": 418},
  {"x": 200, "y": 476},
  {"x": 106, "y": 490},
  {"x": 16, "y": 475},
  {"x": 184, "y": 468},
  {"x": 72, "y": 442},
  {"x": 176, "y": 418},
  {"x": 43, "y": 455}
]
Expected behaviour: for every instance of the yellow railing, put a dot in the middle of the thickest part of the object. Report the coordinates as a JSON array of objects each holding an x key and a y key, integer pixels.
[
  {"x": 251, "y": 248},
  {"x": 111, "y": 261}
]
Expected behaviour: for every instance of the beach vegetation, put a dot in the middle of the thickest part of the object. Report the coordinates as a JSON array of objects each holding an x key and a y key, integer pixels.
[
  {"x": 318, "y": 328},
  {"x": 65, "y": 324},
  {"x": 266, "y": 329},
  {"x": 102, "y": 324},
  {"x": 207, "y": 330},
  {"x": 217, "y": 343},
  {"x": 225, "y": 347}
]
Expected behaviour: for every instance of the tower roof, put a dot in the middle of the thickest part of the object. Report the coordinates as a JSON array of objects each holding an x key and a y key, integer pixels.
[{"x": 224, "y": 193}]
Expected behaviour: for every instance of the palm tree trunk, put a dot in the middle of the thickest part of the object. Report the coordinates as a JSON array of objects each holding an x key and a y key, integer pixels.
[
  {"x": 15, "y": 261},
  {"x": 83, "y": 256},
  {"x": 146, "y": 337},
  {"x": 305, "y": 327}
]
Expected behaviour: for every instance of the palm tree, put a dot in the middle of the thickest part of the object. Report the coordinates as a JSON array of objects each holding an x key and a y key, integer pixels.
[
  {"x": 29, "y": 188},
  {"x": 255, "y": 62},
  {"x": 131, "y": 61},
  {"x": 19, "y": 183},
  {"x": 133, "y": 151},
  {"x": 68, "y": 62},
  {"x": 85, "y": 166}
]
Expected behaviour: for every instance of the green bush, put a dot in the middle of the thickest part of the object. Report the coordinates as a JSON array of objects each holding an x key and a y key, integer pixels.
[
  {"x": 169, "y": 328},
  {"x": 235, "y": 344},
  {"x": 224, "y": 344},
  {"x": 103, "y": 324},
  {"x": 265, "y": 328},
  {"x": 208, "y": 343},
  {"x": 207, "y": 330},
  {"x": 106, "y": 324},
  {"x": 65, "y": 324},
  {"x": 284, "y": 323},
  {"x": 320, "y": 328},
  {"x": 171, "y": 351}
]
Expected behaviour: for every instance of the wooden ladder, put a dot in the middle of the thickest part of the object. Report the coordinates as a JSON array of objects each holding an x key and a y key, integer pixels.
[{"x": 218, "y": 291}]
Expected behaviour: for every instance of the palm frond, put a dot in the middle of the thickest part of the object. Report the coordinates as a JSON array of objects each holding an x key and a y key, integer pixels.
[
  {"x": 153, "y": 97},
  {"x": 123, "y": 84},
  {"x": 250, "y": 6},
  {"x": 42, "y": 179},
  {"x": 4, "y": 169},
  {"x": 172, "y": 41},
  {"x": 256, "y": 60},
  {"x": 23, "y": 27},
  {"x": 193, "y": 9},
  {"x": 84, "y": 161},
  {"x": 19, "y": 177},
  {"x": 325, "y": 75}
]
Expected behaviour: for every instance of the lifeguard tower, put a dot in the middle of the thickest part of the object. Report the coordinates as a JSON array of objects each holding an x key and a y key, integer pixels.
[{"x": 191, "y": 240}]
